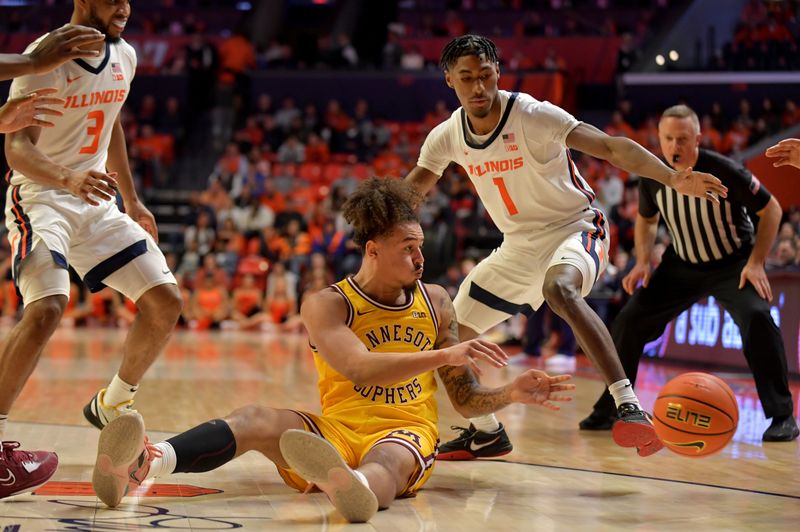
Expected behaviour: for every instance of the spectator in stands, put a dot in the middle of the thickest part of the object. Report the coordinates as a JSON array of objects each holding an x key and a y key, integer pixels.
[
  {"x": 201, "y": 233},
  {"x": 247, "y": 300},
  {"x": 392, "y": 51},
  {"x": 311, "y": 120},
  {"x": 209, "y": 266},
  {"x": 232, "y": 165},
  {"x": 251, "y": 135},
  {"x": 553, "y": 62},
  {"x": 210, "y": 303},
  {"x": 280, "y": 274},
  {"x": 785, "y": 255},
  {"x": 276, "y": 55},
  {"x": 712, "y": 138},
  {"x": 236, "y": 57},
  {"x": 201, "y": 65},
  {"x": 250, "y": 215},
  {"x": 287, "y": 113},
  {"x": 412, "y": 59},
  {"x": 317, "y": 150},
  {"x": 272, "y": 246},
  {"x": 171, "y": 121},
  {"x": 299, "y": 245},
  {"x": 291, "y": 151}
]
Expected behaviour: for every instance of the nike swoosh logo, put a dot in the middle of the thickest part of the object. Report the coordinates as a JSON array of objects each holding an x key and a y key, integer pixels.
[
  {"x": 73, "y": 79},
  {"x": 30, "y": 467},
  {"x": 699, "y": 444},
  {"x": 366, "y": 312},
  {"x": 475, "y": 446},
  {"x": 166, "y": 272},
  {"x": 9, "y": 480}
]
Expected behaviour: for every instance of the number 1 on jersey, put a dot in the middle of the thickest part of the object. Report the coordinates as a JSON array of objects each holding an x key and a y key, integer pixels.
[
  {"x": 501, "y": 185},
  {"x": 94, "y": 131}
]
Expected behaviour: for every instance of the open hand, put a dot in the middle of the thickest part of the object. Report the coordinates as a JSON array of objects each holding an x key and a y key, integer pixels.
[
  {"x": 536, "y": 387},
  {"x": 470, "y": 352},
  {"x": 23, "y": 111},
  {"x": 67, "y": 42},
  {"x": 787, "y": 152},
  {"x": 142, "y": 216},
  {"x": 699, "y": 185}
]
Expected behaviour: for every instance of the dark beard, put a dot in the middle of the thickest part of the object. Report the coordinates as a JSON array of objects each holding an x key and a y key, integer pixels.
[{"x": 99, "y": 25}]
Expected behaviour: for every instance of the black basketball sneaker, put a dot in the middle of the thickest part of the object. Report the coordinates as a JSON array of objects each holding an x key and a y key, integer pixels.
[
  {"x": 473, "y": 443},
  {"x": 634, "y": 428}
]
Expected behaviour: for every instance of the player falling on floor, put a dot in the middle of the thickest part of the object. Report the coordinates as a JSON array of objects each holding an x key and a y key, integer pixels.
[
  {"x": 515, "y": 150},
  {"x": 61, "y": 210},
  {"x": 377, "y": 338}
]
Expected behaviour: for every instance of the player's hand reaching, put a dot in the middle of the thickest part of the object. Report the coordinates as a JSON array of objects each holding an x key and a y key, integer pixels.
[
  {"x": 787, "y": 152},
  {"x": 92, "y": 185},
  {"x": 23, "y": 111},
  {"x": 536, "y": 387},
  {"x": 640, "y": 272},
  {"x": 67, "y": 42},
  {"x": 470, "y": 352},
  {"x": 755, "y": 274},
  {"x": 142, "y": 216},
  {"x": 698, "y": 184}
]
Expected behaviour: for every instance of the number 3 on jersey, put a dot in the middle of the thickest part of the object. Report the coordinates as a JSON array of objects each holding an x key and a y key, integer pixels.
[
  {"x": 94, "y": 130},
  {"x": 501, "y": 185}
]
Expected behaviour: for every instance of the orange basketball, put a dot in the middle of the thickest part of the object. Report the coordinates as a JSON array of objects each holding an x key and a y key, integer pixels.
[{"x": 695, "y": 414}]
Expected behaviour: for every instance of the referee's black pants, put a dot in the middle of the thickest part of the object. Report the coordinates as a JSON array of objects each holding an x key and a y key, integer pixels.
[{"x": 673, "y": 287}]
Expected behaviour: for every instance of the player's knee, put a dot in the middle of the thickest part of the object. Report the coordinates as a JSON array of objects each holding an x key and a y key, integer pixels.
[
  {"x": 45, "y": 313},
  {"x": 253, "y": 421},
  {"x": 561, "y": 293},
  {"x": 163, "y": 304}
]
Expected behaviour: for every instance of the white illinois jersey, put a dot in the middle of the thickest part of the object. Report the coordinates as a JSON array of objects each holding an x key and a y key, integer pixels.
[
  {"x": 94, "y": 92},
  {"x": 522, "y": 170}
]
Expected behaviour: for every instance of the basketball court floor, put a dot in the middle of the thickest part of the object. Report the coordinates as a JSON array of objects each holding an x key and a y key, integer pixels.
[{"x": 557, "y": 478}]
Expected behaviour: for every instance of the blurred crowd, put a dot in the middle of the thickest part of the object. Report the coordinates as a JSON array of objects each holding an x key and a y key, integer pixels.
[{"x": 765, "y": 38}]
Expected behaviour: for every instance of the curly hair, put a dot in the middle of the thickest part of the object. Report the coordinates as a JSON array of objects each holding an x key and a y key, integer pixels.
[
  {"x": 377, "y": 206},
  {"x": 467, "y": 45}
]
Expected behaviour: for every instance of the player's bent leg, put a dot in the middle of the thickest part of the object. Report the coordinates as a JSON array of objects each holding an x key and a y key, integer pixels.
[
  {"x": 389, "y": 467},
  {"x": 562, "y": 290},
  {"x": 317, "y": 461},
  {"x": 159, "y": 309},
  {"x": 24, "y": 345},
  {"x": 259, "y": 428}
]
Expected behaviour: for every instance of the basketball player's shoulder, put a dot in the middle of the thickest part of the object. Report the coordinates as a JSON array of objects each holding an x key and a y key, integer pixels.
[
  {"x": 127, "y": 51},
  {"x": 439, "y": 297},
  {"x": 328, "y": 302}
]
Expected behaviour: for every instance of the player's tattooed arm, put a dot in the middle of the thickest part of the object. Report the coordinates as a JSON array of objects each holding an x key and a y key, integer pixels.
[{"x": 468, "y": 396}]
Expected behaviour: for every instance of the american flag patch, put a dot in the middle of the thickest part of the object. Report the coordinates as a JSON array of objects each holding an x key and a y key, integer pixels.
[
  {"x": 508, "y": 138},
  {"x": 116, "y": 72}
]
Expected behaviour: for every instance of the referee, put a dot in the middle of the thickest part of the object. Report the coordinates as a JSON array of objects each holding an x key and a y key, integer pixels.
[{"x": 714, "y": 251}]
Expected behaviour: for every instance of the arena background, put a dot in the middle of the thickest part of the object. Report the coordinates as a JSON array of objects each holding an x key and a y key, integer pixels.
[{"x": 249, "y": 122}]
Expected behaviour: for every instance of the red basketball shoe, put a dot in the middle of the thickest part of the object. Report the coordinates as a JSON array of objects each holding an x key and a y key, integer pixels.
[{"x": 22, "y": 471}]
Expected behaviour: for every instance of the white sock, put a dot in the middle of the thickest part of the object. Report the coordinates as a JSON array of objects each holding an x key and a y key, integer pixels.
[
  {"x": 3, "y": 421},
  {"x": 487, "y": 423},
  {"x": 166, "y": 463},
  {"x": 622, "y": 392},
  {"x": 118, "y": 392},
  {"x": 362, "y": 477}
]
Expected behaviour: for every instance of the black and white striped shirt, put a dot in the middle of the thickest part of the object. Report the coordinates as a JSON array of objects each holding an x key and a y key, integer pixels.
[{"x": 704, "y": 233}]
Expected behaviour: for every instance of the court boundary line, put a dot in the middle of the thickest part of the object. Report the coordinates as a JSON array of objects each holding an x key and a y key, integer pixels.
[{"x": 630, "y": 475}]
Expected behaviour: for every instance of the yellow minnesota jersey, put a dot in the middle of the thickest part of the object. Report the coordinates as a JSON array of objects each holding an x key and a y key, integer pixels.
[{"x": 410, "y": 327}]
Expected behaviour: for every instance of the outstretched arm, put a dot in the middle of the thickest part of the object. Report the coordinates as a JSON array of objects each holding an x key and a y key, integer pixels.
[
  {"x": 468, "y": 396},
  {"x": 626, "y": 154}
]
